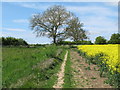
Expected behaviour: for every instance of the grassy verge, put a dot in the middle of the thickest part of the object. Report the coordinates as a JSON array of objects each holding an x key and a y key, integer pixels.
[
  {"x": 19, "y": 63},
  {"x": 53, "y": 79},
  {"x": 68, "y": 82}
]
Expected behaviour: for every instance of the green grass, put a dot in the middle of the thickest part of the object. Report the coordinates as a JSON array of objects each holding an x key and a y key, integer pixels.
[
  {"x": 18, "y": 64},
  {"x": 68, "y": 82},
  {"x": 48, "y": 77}
]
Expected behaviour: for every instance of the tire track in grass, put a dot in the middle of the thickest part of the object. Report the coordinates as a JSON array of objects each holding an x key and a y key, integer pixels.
[{"x": 60, "y": 80}]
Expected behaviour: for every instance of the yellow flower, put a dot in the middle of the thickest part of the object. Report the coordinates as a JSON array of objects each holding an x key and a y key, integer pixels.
[{"x": 110, "y": 51}]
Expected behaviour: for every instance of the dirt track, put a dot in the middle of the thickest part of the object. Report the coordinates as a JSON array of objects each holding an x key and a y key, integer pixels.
[
  {"x": 60, "y": 75},
  {"x": 85, "y": 75}
]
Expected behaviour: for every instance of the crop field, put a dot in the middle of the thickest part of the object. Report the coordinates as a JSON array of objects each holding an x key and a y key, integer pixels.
[
  {"x": 107, "y": 58},
  {"x": 30, "y": 67},
  {"x": 111, "y": 54}
]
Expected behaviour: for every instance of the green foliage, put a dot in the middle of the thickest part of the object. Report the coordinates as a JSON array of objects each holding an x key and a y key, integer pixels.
[
  {"x": 115, "y": 39},
  {"x": 13, "y": 41},
  {"x": 100, "y": 40},
  {"x": 68, "y": 82},
  {"x": 84, "y": 42}
]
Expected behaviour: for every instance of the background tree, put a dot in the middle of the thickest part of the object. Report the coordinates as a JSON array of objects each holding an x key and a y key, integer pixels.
[
  {"x": 100, "y": 40},
  {"x": 51, "y": 22},
  {"x": 75, "y": 30},
  {"x": 115, "y": 39}
]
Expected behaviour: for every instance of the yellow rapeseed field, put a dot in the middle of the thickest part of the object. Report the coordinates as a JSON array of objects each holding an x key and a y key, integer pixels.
[{"x": 111, "y": 51}]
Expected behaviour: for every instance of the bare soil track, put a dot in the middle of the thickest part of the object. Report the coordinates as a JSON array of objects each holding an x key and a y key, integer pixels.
[{"x": 85, "y": 75}]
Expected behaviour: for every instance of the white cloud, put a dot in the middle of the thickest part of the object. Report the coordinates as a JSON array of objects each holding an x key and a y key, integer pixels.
[
  {"x": 30, "y": 5},
  {"x": 14, "y": 29},
  {"x": 33, "y": 5},
  {"x": 112, "y": 4},
  {"x": 100, "y": 21},
  {"x": 82, "y": 10},
  {"x": 94, "y": 10},
  {"x": 21, "y": 21}
]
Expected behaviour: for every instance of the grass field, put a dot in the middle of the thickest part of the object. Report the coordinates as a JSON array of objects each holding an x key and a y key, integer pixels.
[{"x": 28, "y": 67}]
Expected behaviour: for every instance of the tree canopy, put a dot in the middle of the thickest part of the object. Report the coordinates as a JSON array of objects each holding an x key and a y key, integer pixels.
[
  {"x": 100, "y": 40},
  {"x": 115, "y": 39},
  {"x": 54, "y": 23},
  {"x": 75, "y": 30}
]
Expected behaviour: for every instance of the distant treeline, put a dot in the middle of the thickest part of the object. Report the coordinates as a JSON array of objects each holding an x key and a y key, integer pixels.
[
  {"x": 115, "y": 39},
  {"x": 75, "y": 43},
  {"x": 7, "y": 41}
]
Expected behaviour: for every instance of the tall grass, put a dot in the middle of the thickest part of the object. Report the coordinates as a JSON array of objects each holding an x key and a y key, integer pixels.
[
  {"x": 19, "y": 62},
  {"x": 46, "y": 77}
]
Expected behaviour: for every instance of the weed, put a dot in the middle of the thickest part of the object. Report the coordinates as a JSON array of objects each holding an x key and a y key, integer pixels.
[
  {"x": 93, "y": 78},
  {"x": 88, "y": 68}
]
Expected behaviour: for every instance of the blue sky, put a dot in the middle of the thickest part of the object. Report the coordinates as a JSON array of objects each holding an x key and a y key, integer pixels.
[{"x": 98, "y": 18}]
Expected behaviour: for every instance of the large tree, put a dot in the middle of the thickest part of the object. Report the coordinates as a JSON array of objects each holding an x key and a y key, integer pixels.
[
  {"x": 51, "y": 22},
  {"x": 75, "y": 30}
]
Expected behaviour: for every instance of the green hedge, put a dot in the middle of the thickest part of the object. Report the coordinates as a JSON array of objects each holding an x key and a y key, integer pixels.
[{"x": 75, "y": 43}]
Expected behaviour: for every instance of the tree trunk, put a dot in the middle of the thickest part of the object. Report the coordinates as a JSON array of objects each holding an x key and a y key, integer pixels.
[{"x": 54, "y": 39}]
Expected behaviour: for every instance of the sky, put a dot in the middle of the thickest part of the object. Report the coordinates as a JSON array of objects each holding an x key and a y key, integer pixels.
[{"x": 99, "y": 18}]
